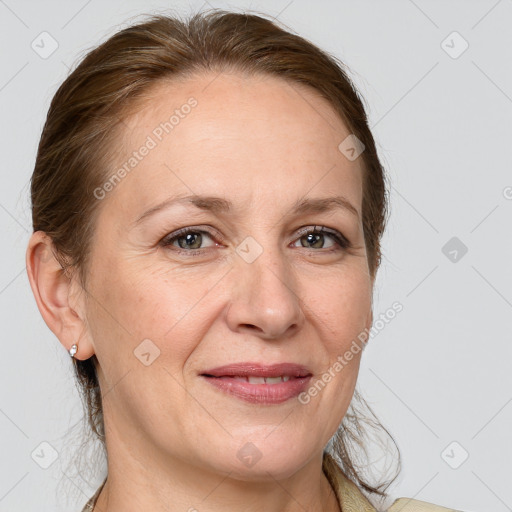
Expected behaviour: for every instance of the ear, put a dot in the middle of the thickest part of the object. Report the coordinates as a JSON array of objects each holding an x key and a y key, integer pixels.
[{"x": 53, "y": 289}]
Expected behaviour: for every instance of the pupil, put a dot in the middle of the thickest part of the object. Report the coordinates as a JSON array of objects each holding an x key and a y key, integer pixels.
[
  {"x": 192, "y": 238},
  {"x": 313, "y": 239}
]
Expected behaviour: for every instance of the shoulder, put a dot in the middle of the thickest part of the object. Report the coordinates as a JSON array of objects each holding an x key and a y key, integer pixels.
[{"x": 409, "y": 505}]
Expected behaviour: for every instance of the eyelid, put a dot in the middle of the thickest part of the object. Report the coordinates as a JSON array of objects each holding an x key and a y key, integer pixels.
[
  {"x": 168, "y": 239},
  {"x": 323, "y": 229},
  {"x": 341, "y": 240}
]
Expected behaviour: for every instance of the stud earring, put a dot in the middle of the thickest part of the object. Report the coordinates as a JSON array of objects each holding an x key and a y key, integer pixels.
[{"x": 73, "y": 350}]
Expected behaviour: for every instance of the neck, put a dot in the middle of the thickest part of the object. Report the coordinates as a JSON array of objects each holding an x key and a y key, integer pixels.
[{"x": 150, "y": 483}]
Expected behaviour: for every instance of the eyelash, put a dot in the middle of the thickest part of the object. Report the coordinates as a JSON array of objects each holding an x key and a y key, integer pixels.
[{"x": 167, "y": 241}]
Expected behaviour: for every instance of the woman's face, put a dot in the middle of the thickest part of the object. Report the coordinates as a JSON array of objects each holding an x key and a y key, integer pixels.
[{"x": 255, "y": 282}]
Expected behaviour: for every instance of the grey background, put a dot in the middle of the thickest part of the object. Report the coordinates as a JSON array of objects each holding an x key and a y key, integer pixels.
[{"x": 436, "y": 374}]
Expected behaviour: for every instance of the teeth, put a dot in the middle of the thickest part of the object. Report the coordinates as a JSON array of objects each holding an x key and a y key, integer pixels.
[
  {"x": 267, "y": 380},
  {"x": 273, "y": 380},
  {"x": 260, "y": 380},
  {"x": 256, "y": 380}
]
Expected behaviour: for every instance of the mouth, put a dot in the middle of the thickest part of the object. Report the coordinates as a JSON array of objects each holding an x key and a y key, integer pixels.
[
  {"x": 254, "y": 380},
  {"x": 261, "y": 384},
  {"x": 258, "y": 370}
]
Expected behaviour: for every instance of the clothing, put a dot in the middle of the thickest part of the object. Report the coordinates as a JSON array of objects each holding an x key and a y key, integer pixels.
[{"x": 349, "y": 496}]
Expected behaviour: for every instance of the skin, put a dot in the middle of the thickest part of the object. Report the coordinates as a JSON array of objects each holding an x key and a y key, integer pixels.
[{"x": 172, "y": 438}]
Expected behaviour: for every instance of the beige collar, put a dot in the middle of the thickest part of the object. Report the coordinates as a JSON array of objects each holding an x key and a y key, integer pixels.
[
  {"x": 349, "y": 496},
  {"x": 351, "y": 499}
]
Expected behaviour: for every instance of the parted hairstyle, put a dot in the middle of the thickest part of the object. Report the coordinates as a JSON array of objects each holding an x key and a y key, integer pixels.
[{"x": 86, "y": 115}]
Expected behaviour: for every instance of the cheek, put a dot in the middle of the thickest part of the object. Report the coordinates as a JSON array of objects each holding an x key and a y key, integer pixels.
[
  {"x": 145, "y": 326},
  {"x": 341, "y": 306},
  {"x": 340, "y": 310},
  {"x": 162, "y": 304}
]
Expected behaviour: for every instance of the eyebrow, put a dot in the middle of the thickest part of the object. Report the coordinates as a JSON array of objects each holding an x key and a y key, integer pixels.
[{"x": 220, "y": 205}]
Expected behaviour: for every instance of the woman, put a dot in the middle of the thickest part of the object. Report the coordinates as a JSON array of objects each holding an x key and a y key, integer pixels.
[{"x": 208, "y": 205}]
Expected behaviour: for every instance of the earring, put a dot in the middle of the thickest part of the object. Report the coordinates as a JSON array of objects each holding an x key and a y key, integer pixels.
[{"x": 73, "y": 350}]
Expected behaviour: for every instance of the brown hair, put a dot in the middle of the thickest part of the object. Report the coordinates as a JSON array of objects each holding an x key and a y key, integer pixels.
[{"x": 87, "y": 113}]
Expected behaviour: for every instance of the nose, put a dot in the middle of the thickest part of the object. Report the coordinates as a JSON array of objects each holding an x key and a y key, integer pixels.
[{"x": 265, "y": 300}]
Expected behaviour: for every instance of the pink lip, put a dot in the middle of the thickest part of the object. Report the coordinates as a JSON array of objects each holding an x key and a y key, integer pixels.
[{"x": 229, "y": 379}]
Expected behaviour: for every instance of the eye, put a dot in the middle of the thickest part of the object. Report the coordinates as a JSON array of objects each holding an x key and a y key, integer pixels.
[
  {"x": 315, "y": 237},
  {"x": 188, "y": 239},
  {"x": 191, "y": 240}
]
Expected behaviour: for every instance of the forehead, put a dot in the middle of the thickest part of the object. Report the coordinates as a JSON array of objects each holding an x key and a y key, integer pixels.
[
  {"x": 231, "y": 100},
  {"x": 211, "y": 130}
]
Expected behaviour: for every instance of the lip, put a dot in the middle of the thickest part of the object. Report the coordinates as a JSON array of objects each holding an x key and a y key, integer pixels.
[
  {"x": 258, "y": 370},
  {"x": 230, "y": 380}
]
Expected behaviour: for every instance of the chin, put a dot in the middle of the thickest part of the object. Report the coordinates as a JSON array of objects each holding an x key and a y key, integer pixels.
[{"x": 254, "y": 461}]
